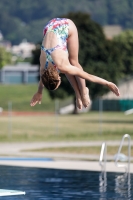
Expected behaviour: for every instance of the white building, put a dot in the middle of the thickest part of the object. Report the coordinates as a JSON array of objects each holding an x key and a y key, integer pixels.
[
  {"x": 19, "y": 74},
  {"x": 24, "y": 49},
  {"x": 111, "y": 31}
]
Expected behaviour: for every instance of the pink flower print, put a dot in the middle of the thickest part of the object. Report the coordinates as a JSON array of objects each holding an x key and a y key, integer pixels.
[
  {"x": 45, "y": 30},
  {"x": 56, "y": 25}
]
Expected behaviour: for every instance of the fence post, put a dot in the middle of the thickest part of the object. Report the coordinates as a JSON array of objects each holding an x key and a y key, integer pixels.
[{"x": 9, "y": 119}]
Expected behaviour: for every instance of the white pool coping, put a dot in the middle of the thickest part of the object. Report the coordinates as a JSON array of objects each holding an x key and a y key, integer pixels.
[
  {"x": 4, "y": 192},
  {"x": 66, "y": 165}
]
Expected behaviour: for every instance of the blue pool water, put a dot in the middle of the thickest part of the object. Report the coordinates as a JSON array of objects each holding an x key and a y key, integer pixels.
[{"x": 55, "y": 184}]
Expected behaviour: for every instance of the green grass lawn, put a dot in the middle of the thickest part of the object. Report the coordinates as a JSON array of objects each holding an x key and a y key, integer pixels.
[
  {"x": 83, "y": 127},
  {"x": 111, "y": 150},
  {"x": 20, "y": 96}
]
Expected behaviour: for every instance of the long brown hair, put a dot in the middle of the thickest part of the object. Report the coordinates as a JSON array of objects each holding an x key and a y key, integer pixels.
[{"x": 50, "y": 78}]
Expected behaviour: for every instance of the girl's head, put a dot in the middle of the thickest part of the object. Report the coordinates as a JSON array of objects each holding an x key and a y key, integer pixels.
[{"x": 50, "y": 78}]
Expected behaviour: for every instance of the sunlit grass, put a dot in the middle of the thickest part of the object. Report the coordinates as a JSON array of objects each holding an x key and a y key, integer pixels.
[
  {"x": 83, "y": 127},
  {"x": 111, "y": 150},
  {"x": 20, "y": 97}
]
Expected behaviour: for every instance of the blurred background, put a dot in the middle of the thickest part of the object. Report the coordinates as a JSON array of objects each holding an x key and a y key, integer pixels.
[{"x": 105, "y": 49}]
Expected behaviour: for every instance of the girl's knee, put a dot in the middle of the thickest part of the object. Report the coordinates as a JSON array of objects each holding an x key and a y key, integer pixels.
[{"x": 73, "y": 61}]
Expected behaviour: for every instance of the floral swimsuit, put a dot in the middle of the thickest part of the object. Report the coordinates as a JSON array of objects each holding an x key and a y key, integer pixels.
[{"x": 60, "y": 27}]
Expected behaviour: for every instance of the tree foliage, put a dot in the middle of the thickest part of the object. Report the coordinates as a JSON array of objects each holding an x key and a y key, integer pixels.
[
  {"x": 125, "y": 43},
  {"x": 5, "y": 57},
  {"x": 26, "y": 18}
]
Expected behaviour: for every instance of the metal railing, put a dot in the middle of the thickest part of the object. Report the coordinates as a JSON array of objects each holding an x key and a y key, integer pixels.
[
  {"x": 102, "y": 163},
  {"x": 102, "y": 159},
  {"x": 126, "y": 166}
]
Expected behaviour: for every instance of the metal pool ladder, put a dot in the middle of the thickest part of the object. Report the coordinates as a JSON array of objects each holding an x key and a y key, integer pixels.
[
  {"x": 102, "y": 159},
  {"x": 126, "y": 166},
  {"x": 102, "y": 162}
]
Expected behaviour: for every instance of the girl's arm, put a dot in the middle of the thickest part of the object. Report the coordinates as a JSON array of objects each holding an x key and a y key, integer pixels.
[
  {"x": 72, "y": 70},
  {"x": 40, "y": 87},
  {"x": 37, "y": 97}
]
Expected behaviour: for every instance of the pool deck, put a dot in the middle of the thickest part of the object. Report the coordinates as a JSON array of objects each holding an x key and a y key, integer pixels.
[
  {"x": 13, "y": 154},
  {"x": 66, "y": 164}
]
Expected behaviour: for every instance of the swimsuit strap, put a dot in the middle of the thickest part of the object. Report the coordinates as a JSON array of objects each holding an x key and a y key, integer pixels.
[{"x": 48, "y": 55}]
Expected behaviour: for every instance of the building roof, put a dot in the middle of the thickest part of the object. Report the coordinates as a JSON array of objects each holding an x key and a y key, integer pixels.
[{"x": 20, "y": 67}]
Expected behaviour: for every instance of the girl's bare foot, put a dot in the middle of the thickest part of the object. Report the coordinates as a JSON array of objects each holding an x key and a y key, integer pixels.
[
  {"x": 79, "y": 103},
  {"x": 86, "y": 98}
]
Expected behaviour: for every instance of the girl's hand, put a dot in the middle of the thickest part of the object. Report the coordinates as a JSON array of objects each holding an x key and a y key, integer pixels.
[
  {"x": 113, "y": 88},
  {"x": 36, "y": 99}
]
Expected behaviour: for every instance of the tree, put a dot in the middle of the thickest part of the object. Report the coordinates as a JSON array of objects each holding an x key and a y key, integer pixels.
[
  {"x": 124, "y": 42},
  {"x": 26, "y": 18},
  {"x": 5, "y": 57},
  {"x": 36, "y": 54}
]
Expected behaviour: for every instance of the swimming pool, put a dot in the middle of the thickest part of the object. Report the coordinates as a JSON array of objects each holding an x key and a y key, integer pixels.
[{"x": 57, "y": 184}]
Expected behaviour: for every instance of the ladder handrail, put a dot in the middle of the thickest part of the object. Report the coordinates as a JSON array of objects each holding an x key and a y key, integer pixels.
[
  {"x": 129, "y": 153},
  {"x": 103, "y": 156}
]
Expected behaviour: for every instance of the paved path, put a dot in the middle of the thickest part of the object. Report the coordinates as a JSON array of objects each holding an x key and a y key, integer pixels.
[
  {"x": 18, "y": 149},
  {"x": 60, "y": 160}
]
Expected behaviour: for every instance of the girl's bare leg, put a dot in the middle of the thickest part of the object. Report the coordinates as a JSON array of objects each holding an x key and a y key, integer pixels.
[
  {"x": 73, "y": 82},
  {"x": 73, "y": 48}
]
